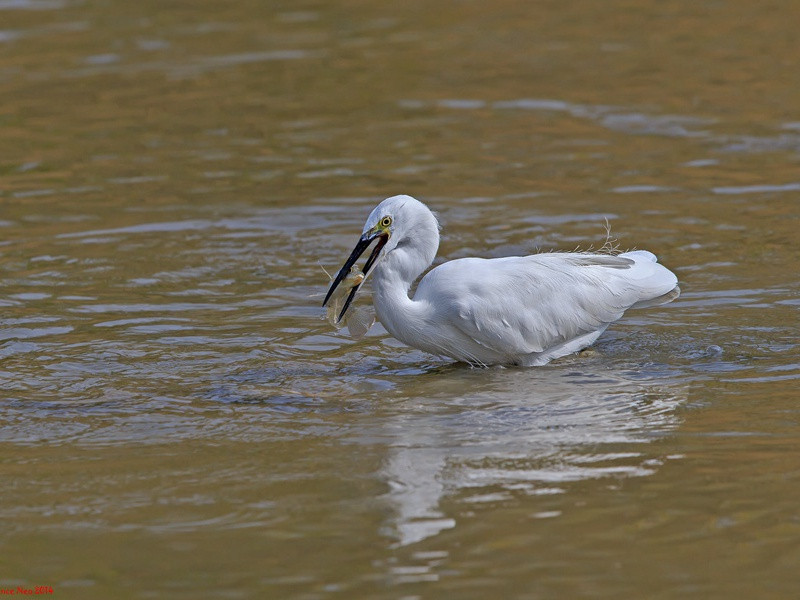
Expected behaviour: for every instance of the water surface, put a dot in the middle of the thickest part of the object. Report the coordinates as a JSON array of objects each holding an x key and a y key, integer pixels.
[{"x": 178, "y": 420}]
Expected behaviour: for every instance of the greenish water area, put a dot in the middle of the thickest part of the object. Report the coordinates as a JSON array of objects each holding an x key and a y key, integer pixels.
[{"x": 178, "y": 420}]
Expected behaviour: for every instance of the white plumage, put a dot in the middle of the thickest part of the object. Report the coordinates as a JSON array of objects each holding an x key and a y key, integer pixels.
[{"x": 518, "y": 310}]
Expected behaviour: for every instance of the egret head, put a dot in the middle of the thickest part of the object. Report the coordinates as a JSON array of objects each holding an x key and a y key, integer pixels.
[{"x": 391, "y": 222}]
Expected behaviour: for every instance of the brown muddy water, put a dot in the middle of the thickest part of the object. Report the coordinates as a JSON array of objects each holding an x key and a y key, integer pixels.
[{"x": 177, "y": 420}]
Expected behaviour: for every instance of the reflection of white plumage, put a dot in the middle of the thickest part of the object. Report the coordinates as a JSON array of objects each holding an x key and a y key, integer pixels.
[{"x": 519, "y": 310}]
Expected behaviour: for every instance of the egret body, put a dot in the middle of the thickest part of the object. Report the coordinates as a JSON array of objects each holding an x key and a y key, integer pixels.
[{"x": 517, "y": 310}]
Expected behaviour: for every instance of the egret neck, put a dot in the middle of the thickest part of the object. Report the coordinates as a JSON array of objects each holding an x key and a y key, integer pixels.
[{"x": 396, "y": 272}]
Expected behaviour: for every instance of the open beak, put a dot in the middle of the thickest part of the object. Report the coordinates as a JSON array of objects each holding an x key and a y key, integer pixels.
[{"x": 363, "y": 243}]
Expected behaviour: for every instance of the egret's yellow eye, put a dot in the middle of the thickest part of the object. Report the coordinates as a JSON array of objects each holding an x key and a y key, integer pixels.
[{"x": 385, "y": 222}]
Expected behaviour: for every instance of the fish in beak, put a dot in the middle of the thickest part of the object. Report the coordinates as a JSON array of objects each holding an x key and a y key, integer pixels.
[{"x": 382, "y": 235}]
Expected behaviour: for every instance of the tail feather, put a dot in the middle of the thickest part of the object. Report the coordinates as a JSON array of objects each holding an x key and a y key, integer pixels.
[
  {"x": 659, "y": 300},
  {"x": 657, "y": 284}
]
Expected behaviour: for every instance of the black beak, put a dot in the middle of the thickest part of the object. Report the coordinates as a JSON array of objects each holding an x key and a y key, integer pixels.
[{"x": 361, "y": 246}]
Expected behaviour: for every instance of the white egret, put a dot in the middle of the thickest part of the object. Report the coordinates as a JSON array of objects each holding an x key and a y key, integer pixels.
[{"x": 517, "y": 310}]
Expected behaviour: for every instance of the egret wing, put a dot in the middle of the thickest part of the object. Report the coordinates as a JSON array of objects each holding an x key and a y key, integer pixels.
[{"x": 521, "y": 305}]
